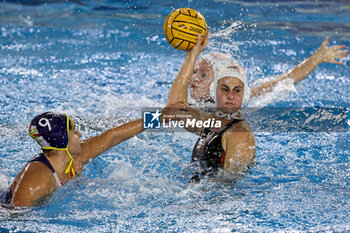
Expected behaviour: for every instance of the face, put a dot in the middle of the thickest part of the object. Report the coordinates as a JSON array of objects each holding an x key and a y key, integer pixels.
[
  {"x": 74, "y": 145},
  {"x": 203, "y": 75},
  {"x": 229, "y": 94}
]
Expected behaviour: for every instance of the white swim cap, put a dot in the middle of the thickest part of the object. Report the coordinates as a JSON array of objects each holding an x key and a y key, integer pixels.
[
  {"x": 218, "y": 60},
  {"x": 231, "y": 71}
]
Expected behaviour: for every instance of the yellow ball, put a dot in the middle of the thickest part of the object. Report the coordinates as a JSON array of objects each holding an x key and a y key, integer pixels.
[{"x": 182, "y": 27}]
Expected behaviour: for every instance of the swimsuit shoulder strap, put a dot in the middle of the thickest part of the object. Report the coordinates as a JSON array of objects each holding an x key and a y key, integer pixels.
[
  {"x": 232, "y": 123},
  {"x": 42, "y": 158},
  {"x": 221, "y": 131},
  {"x": 226, "y": 127}
]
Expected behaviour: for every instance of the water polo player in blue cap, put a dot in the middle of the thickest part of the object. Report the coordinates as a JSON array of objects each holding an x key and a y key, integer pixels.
[{"x": 63, "y": 156}]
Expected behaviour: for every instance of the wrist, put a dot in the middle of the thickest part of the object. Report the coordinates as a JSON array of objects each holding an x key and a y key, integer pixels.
[
  {"x": 192, "y": 55},
  {"x": 316, "y": 58}
]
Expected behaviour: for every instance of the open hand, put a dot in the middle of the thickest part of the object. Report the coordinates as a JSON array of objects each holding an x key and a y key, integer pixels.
[{"x": 331, "y": 54}]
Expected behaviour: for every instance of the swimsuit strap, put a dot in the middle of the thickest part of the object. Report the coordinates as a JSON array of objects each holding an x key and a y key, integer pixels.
[
  {"x": 42, "y": 158},
  {"x": 232, "y": 123},
  {"x": 226, "y": 127}
]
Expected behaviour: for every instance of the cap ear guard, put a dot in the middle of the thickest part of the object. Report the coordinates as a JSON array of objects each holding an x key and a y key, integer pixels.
[
  {"x": 213, "y": 91},
  {"x": 246, "y": 94}
]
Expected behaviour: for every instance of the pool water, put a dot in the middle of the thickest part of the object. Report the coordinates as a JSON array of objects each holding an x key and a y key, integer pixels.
[{"x": 102, "y": 62}]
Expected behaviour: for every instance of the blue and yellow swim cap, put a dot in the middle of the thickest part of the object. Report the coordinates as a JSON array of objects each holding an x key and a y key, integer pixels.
[{"x": 51, "y": 131}]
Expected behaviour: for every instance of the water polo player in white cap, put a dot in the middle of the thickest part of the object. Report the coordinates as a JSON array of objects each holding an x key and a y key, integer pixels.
[
  {"x": 211, "y": 63},
  {"x": 232, "y": 146},
  {"x": 63, "y": 156},
  {"x": 229, "y": 145}
]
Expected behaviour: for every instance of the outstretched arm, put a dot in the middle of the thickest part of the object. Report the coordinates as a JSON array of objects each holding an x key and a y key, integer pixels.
[
  {"x": 323, "y": 55},
  {"x": 95, "y": 146}
]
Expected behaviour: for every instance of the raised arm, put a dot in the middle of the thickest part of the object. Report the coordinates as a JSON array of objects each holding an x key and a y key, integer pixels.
[
  {"x": 179, "y": 88},
  {"x": 95, "y": 146},
  {"x": 177, "y": 107},
  {"x": 323, "y": 55}
]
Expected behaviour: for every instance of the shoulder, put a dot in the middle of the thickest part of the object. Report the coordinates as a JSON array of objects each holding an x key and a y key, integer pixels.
[
  {"x": 240, "y": 126},
  {"x": 32, "y": 183},
  {"x": 239, "y": 133}
]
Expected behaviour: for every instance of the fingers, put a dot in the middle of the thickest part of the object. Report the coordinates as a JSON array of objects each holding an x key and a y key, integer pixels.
[
  {"x": 205, "y": 42},
  {"x": 199, "y": 45},
  {"x": 337, "y": 47},
  {"x": 341, "y": 56},
  {"x": 338, "y": 62},
  {"x": 342, "y": 52},
  {"x": 325, "y": 43},
  {"x": 333, "y": 53},
  {"x": 199, "y": 39},
  {"x": 335, "y": 61}
]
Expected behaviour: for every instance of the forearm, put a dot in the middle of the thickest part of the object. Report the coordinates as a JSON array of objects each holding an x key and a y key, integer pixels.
[
  {"x": 121, "y": 133},
  {"x": 183, "y": 112},
  {"x": 302, "y": 70},
  {"x": 178, "y": 91},
  {"x": 324, "y": 54},
  {"x": 95, "y": 146},
  {"x": 298, "y": 73},
  {"x": 179, "y": 88}
]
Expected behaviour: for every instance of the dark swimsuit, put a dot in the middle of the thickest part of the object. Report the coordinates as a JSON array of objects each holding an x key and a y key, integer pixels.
[
  {"x": 208, "y": 156},
  {"x": 7, "y": 197}
]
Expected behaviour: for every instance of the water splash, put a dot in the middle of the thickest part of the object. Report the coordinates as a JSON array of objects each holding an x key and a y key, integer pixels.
[
  {"x": 3, "y": 182},
  {"x": 223, "y": 40}
]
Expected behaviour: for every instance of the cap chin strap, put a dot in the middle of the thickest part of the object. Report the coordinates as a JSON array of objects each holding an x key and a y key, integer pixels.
[
  {"x": 228, "y": 116},
  {"x": 70, "y": 170}
]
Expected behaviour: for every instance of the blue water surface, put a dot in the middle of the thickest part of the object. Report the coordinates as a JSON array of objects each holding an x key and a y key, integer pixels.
[{"x": 102, "y": 62}]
